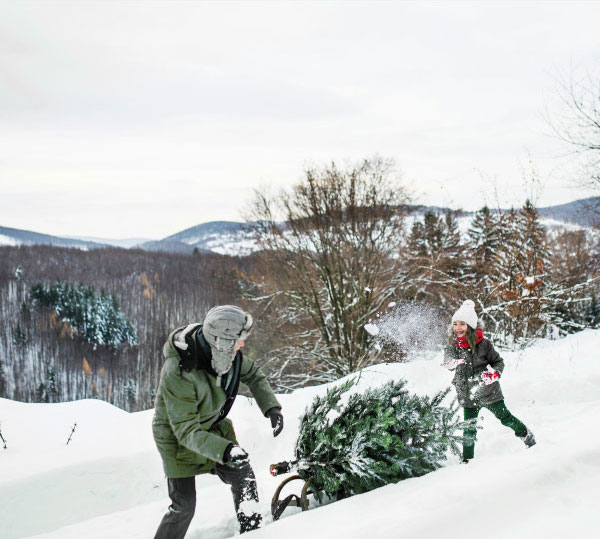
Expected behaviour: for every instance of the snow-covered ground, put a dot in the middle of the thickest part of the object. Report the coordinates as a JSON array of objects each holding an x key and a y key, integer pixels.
[{"x": 108, "y": 482}]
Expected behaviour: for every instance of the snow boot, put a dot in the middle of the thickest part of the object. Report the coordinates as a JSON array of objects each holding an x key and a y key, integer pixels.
[
  {"x": 245, "y": 494},
  {"x": 249, "y": 522},
  {"x": 528, "y": 439}
]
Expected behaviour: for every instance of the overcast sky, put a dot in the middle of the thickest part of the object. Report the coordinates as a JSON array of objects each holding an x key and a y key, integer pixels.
[{"x": 140, "y": 119}]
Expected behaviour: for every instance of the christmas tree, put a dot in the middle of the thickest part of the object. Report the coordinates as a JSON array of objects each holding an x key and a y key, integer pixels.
[{"x": 353, "y": 443}]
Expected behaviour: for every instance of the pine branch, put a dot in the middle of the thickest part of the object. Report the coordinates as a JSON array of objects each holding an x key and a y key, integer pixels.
[{"x": 353, "y": 443}]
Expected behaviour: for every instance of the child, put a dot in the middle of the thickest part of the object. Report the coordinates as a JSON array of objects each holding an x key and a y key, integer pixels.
[{"x": 477, "y": 369}]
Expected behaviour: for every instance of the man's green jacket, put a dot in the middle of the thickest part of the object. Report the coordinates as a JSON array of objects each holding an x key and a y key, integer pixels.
[{"x": 186, "y": 429}]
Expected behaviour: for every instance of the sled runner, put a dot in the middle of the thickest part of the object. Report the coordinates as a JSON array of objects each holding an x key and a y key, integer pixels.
[{"x": 279, "y": 506}]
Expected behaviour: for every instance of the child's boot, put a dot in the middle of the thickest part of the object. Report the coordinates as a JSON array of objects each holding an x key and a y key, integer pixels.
[{"x": 528, "y": 438}]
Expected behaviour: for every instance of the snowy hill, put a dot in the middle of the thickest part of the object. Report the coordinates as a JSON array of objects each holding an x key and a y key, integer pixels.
[
  {"x": 108, "y": 482},
  {"x": 583, "y": 212},
  {"x": 15, "y": 236},
  {"x": 222, "y": 237},
  {"x": 233, "y": 238},
  {"x": 124, "y": 243},
  {"x": 236, "y": 239}
]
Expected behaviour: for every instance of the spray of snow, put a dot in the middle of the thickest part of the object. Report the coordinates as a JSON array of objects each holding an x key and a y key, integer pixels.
[{"x": 414, "y": 329}]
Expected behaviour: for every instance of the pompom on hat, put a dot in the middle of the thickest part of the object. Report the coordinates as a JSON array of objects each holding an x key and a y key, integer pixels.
[{"x": 466, "y": 313}]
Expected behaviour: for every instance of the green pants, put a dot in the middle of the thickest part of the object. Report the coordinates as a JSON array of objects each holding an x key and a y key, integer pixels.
[{"x": 500, "y": 410}]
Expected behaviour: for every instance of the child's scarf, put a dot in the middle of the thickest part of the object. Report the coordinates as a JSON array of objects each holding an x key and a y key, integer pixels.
[{"x": 462, "y": 342}]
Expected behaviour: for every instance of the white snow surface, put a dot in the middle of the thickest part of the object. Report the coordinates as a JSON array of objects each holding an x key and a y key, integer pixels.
[
  {"x": 7, "y": 240},
  {"x": 108, "y": 482}
]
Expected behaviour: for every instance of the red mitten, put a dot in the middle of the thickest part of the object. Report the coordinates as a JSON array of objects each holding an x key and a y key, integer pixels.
[{"x": 490, "y": 376}]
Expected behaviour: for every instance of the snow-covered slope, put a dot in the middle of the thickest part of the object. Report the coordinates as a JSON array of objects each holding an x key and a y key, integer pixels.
[
  {"x": 108, "y": 482},
  {"x": 222, "y": 237},
  {"x": 583, "y": 212}
]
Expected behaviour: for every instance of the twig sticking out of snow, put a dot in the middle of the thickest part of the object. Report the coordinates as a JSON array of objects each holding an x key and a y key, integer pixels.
[
  {"x": 2, "y": 438},
  {"x": 72, "y": 431}
]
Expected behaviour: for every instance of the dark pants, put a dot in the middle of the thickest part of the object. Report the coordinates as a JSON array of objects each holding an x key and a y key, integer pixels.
[
  {"x": 176, "y": 522},
  {"x": 182, "y": 492},
  {"x": 500, "y": 410}
]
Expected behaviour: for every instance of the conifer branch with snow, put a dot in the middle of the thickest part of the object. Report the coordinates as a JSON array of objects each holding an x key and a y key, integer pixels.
[{"x": 353, "y": 443}]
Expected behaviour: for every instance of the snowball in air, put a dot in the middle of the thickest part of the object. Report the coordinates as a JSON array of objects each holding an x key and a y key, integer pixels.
[{"x": 372, "y": 329}]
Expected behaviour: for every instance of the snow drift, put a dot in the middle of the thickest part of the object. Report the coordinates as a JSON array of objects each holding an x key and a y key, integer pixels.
[{"x": 108, "y": 481}]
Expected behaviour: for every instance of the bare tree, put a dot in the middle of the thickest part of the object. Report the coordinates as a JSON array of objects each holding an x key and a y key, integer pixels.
[
  {"x": 577, "y": 121},
  {"x": 332, "y": 244}
]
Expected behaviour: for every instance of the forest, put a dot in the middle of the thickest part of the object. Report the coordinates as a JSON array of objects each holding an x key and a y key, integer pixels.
[
  {"x": 45, "y": 358},
  {"x": 91, "y": 324}
]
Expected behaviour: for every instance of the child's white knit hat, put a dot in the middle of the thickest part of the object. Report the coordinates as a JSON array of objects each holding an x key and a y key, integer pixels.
[{"x": 466, "y": 313}]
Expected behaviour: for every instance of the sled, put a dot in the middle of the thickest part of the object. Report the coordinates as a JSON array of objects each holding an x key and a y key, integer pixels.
[{"x": 279, "y": 506}]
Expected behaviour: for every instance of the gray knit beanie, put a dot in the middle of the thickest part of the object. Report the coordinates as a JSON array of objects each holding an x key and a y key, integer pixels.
[{"x": 223, "y": 327}]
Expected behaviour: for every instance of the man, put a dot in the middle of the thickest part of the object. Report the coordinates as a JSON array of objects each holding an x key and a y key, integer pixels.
[{"x": 198, "y": 384}]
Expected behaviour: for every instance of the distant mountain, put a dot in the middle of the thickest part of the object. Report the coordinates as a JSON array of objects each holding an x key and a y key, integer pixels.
[
  {"x": 125, "y": 243},
  {"x": 15, "y": 236},
  {"x": 583, "y": 212},
  {"x": 223, "y": 237},
  {"x": 167, "y": 246},
  {"x": 236, "y": 239}
]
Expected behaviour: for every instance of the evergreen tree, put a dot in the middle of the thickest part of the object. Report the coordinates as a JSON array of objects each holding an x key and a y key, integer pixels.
[
  {"x": 42, "y": 394},
  {"x": 19, "y": 336},
  {"x": 593, "y": 311},
  {"x": 454, "y": 261},
  {"x": 52, "y": 383},
  {"x": 484, "y": 243},
  {"x": 525, "y": 302},
  {"x": 415, "y": 256},
  {"x": 352, "y": 444},
  {"x": 435, "y": 267},
  {"x": 131, "y": 392},
  {"x": 450, "y": 243},
  {"x": 534, "y": 250},
  {"x": 96, "y": 317},
  {"x": 416, "y": 240},
  {"x": 47, "y": 390},
  {"x": 432, "y": 232},
  {"x": 502, "y": 304},
  {"x": 2, "y": 379},
  {"x": 532, "y": 264},
  {"x": 509, "y": 251}
]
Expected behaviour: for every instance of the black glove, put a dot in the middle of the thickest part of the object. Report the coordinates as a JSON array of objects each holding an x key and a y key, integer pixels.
[
  {"x": 274, "y": 414},
  {"x": 235, "y": 456}
]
